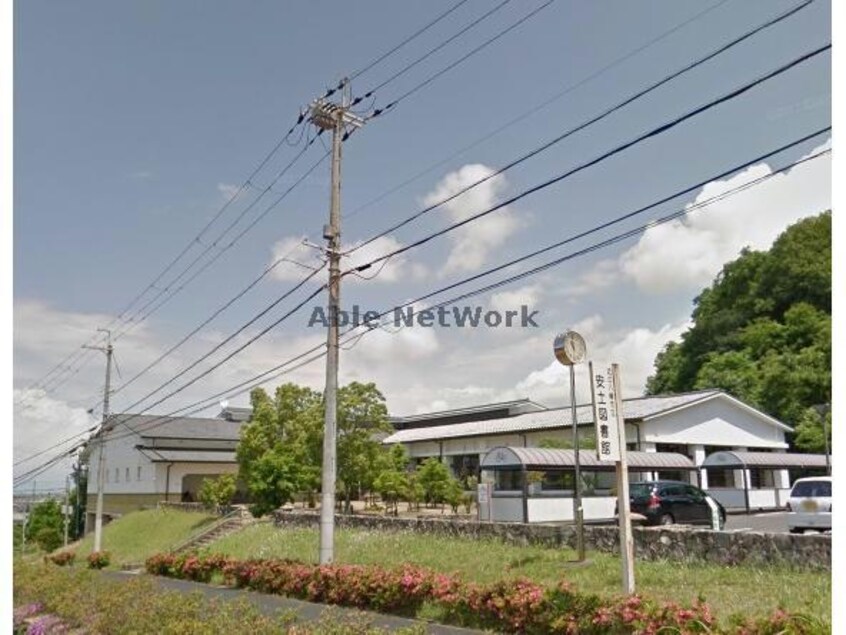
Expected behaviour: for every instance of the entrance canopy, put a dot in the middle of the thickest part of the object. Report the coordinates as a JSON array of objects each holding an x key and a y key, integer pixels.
[
  {"x": 766, "y": 460},
  {"x": 548, "y": 460}
]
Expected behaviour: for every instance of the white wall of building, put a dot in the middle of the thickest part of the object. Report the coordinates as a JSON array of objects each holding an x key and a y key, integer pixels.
[
  {"x": 718, "y": 421},
  {"x": 120, "y": 456}
]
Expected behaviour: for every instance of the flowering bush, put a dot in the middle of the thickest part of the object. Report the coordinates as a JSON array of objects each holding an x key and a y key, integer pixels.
[
  {"x": 62, "y": 558},
  {"x": 512, "y": 606},
  {"x": 98, "y": 559}
]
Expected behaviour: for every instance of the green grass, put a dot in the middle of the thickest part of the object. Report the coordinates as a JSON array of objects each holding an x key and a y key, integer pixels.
[
  {"x": 132, "y": 538},
  {"x": 745, "y": 589}
]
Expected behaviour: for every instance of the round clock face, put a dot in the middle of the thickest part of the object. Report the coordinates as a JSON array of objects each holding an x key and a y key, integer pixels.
[{"x": 570, "y": 348}]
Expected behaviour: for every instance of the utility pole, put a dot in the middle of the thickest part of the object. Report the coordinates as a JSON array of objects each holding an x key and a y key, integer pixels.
[
  {"x": 335, "y": 117},
  {"x": 101, "y": 459}
]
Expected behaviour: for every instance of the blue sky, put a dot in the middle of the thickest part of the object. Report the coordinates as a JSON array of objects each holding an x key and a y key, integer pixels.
[{"x": 132, "y": 119}]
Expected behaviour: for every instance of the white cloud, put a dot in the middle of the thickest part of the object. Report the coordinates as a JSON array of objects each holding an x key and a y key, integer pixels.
[
  {"x": 472, "y": 243},
  {"x": 228, "y": 190},
  {"x": 689, "y": 252},
  {"x": 634, "y": 349},
  {"x": 513, "y": 300}
]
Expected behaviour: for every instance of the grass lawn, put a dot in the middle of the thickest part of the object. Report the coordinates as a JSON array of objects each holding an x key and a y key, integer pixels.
[
  {"x": 729, "y": 590},
  {"x": 134, "y": 537}
]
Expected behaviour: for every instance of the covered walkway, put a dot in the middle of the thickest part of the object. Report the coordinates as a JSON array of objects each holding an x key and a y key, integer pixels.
[
  {"x": 536, "y": 484},
  {"x": 760, "y": 497}
]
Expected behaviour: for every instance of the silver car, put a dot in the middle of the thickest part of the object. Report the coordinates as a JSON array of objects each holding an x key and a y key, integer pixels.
[{"x": 810, "y": 505}]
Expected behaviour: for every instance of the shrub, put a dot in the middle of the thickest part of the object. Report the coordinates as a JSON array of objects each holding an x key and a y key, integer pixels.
[
  {"x": 511, "y": 606},
  {"x": 62, "y": 558},
  {"x": 218, "y": 492},
  {"x": 98, "y": 559}
]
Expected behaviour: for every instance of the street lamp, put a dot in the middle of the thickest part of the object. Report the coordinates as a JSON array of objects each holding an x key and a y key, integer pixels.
[{"x": 570, "y": 349}]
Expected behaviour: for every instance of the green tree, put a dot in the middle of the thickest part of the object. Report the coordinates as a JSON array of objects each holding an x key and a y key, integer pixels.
[
  {"x": 362, "y": 421},
  {"x": 762, "y": 330},
  {"x": 811, "y": 430},
  {"x": 218, "y": 492},
  {"x": 436, "y": 481},
  {"x": 46, "y": 525},
  {"x": 280, "y": 448}
]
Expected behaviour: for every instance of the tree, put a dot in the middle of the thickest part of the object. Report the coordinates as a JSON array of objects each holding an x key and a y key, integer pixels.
[
  {"x": 436, "y": 481},
  {"x": 280, "y": 448},
  {"x": 811, "y": 430},
  {"x": 392, "y": 481},
  {"x": 362, "y": 416},
  {"x": 282, "y": 444},
  {"x": 762, "y": 330},
  {"x": 218, "y": 492},
  {"x": 46, "y": 525}
]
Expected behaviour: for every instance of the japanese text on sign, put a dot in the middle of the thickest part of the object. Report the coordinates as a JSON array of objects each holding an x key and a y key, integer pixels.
[{"x": 605, "y": 415}]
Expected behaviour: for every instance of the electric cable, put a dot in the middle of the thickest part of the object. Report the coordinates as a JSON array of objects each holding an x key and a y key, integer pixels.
[
  {"x": 526, "y": 114},
  {"x": 595, "y": 119},
  {"x": 602, "y": 157}
]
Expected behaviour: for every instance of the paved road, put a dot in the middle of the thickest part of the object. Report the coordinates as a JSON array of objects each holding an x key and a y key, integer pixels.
[
  {"x": 306, "y": 611},
  {"x": 773, "y": 522}
]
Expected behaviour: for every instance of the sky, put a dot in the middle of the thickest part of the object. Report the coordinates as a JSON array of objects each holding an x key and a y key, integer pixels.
[{"x": 135, "y": 122}]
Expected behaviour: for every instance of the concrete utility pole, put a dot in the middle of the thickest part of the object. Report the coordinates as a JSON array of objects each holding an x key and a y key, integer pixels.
[
  {"x": 334, "y": 117},
  {"x": 101, "y": 458}
]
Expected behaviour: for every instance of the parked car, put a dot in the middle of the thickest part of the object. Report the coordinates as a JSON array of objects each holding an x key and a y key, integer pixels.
[
  {"x": 670, "y": 502},
  {"x": 809, "y": 505}
]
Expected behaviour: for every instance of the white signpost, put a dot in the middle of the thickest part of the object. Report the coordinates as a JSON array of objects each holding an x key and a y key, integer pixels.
[{"x": 611, "y": 446}]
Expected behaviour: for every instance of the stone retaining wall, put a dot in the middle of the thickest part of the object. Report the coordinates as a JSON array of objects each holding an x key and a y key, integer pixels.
[{"x": 651, "y": 543}]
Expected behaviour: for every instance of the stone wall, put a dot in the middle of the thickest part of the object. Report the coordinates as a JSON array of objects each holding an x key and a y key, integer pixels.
[{"x": 651, "y": 543}]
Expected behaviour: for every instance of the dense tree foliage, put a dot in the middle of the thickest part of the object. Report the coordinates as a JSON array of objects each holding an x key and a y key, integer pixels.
[
  {"x": 281, "y": 448},
  {"x": 762, "y": 332},
  {"x": 45, "y": 525}
]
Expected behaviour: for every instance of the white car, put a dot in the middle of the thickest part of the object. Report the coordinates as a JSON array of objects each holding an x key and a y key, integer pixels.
[{"x": 810, "y": 505}]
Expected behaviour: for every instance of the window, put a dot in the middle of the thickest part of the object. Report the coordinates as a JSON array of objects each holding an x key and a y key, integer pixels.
[
  {"x": 558, "y": 480},
  {"x": 672, "y": 490},
  {"x": 720, "y": 478},
  {"x": 694, "y": 493},
  {"x": 117, "y": 475},
  {"x": 127, "y": 475},
  {"x": 107, "y": 476},
  {"x": 508, "y": 480},
  {"x": 760, "y": 478},
  {"x": 138, "y": 476}
]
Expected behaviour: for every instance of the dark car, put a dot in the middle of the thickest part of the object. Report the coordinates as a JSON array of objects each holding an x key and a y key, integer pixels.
[{"x": 669, "y": 502}]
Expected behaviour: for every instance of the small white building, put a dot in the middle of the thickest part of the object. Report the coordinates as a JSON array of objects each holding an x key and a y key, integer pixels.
[
  {"x": 150, "y": 459},
  {"x": 693, "y": 425}
]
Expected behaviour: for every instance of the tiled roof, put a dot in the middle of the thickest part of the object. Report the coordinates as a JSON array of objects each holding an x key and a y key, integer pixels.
[
  {"x": 150, "y": 426},
  {"x": 633, "y": 410}
]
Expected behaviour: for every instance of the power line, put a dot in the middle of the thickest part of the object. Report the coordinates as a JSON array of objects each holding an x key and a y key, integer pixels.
[
  {"x": 195, "y": 240},
  {"x": 430, "y": 52},
  {"x": 268, "y": 376},
  {"x": 526, "y": 114},
  {"x": 284, "y": 367},
  {"x": 380, "y": 111},
  {"x": 214, "y": 245},
  {"x": 208, "y": 320},
  {"x": 617, "y": 150},
  {"x": 229, "y": 338},
  {"x": 411, "y": 37},
  {"x": 593, "y": 120}
]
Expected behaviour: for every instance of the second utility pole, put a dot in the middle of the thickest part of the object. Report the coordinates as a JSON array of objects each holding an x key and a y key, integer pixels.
[
  {"x": 329, "y": 116},
  {"x": 101, "y": 442}
]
